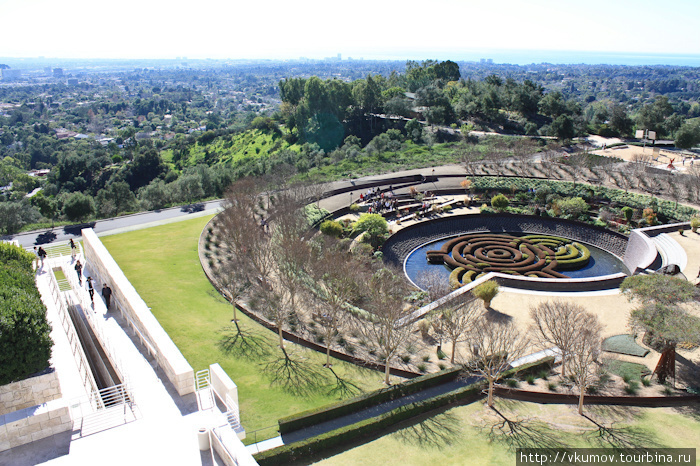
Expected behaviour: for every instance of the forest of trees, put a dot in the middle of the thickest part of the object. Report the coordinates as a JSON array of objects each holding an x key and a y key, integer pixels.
[{"x": 123, "y": 141}]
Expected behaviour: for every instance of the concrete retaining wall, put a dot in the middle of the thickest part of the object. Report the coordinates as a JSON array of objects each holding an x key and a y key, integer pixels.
[
  {"x": 105, "y": 269},
  {"x": 29, "y": 392},
  {"x": 34, "y": 423}
]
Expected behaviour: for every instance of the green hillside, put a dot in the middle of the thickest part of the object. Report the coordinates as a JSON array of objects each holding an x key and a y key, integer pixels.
[{"x": 231, "y": 149}]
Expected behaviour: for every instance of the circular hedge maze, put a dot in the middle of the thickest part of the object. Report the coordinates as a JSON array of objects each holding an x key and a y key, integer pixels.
[{"x": 471, "y": 256}]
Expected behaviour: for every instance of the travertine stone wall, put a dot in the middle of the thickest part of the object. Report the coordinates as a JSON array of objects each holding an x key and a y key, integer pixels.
[
  {"x": 29, "y": 392},
  {"x": 124, "y": 296},
  {"x": 34, "y": 423}
]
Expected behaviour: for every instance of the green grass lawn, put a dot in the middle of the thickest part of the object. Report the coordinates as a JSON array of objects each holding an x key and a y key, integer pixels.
[
  {"x": 163, "y": 266},
  {"x": 463, "y": 435}
]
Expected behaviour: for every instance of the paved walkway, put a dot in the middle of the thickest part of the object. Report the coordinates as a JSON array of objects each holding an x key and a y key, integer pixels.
[
  {"x": 165, "y": 427},
  {"x": 368, "y": 413}
]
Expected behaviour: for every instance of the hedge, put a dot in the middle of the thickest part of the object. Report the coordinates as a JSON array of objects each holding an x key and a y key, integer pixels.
[
  {"x": 25, "y": 341},
  {"x": 344, "y": 435},
  {"x": 298, "y": 450},
  {"x": 352, "y": 405}
]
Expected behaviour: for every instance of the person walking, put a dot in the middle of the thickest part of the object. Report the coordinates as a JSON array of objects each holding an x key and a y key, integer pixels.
[
  {"x": 90, "y": 288},
  {"x": 79, "y": 271},
  {"x": 73, "y": 249},
  {"x": 42, "y": 255},
  {"x": 36, "y": 258},
  {"x": 107, "y": 294}
]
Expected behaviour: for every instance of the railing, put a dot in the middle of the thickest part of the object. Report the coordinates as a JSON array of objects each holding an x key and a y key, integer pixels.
[
  {"x": 203, "y": 390},
  {"x": 96, "y": 324},
  {"x": 102, "y": 403},
  {"x": 233, "y": 414},
  {"x": 260, "y": 435},
  {"x": 86, "y": 375}
]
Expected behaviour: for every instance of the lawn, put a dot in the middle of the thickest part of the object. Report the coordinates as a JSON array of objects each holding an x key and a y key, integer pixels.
[
  {"x": 162, "y": 264},
  {"x": 463, "y": 435}
]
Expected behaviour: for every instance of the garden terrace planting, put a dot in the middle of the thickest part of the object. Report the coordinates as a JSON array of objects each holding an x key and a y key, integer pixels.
[{"x": 471, "y": 256}]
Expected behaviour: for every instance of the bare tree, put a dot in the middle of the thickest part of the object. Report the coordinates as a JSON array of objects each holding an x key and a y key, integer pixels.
[
  {"x": 386, "y": 326},
  {"x": 246, "y": 239},
  {"x": 494, "y": 344},
  {"x": 458, "y": 319},
  {"x": 337, "y": 275},
  {"x": 471, "y": 158},
  {"x": 557, "y": 323},
  {"x": 584, "y": 354}
]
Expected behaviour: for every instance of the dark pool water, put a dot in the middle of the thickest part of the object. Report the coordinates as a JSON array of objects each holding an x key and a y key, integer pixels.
[{"x": 417, "y": 267}]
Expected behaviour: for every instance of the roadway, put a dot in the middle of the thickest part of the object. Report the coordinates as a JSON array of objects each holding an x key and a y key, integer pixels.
[{"x": 148, "y": 219}]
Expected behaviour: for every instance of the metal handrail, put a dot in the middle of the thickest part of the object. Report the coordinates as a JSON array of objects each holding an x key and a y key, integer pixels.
[
  {"x": 97, "y": 326},
  {"x": 84, "y": 370}
]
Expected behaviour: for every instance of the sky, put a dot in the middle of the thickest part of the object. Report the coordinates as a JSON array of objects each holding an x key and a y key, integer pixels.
[{"x": 370, "y": 29}]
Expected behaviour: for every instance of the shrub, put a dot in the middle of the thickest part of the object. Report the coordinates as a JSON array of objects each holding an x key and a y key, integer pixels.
[
  {"x": 486, "y": 292},
  {"x": 632, "y": 388},
  {"x": 426, "y": 358},
  {"x": 406, "y": 359},
  {"x": 422, "y": 367},
  {"x": 512, "y": 383},
  {"x": 332, "y": 228},
  {"x": 315, "y": 214},
  {"x": 695, "y": 224},
  {"x": 530, "y": 379},
  {"x": 25, "y": 343},
  {"x": 441, "y": 366},
  {"x": 646, "y": 381},
  {"x": 375, "y": 226},
  {"x": 627, "y": 212},
  {"x": 354, "y": 208},
  {"x": 552, "y": 386},
  {"x": 441, "y": 354},
  {"x": 499, "y": 202}
]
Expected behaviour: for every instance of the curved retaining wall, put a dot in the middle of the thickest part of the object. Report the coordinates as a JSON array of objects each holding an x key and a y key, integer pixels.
[
  {"x": 399, "y": 245},
  {"x": 565, "y": 398}
]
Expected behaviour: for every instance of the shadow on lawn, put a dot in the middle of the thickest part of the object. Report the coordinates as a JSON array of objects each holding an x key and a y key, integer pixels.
[
  {"x": 629, "y": 437},
  {"x": 239, "y": 342},
  {"x": 343, "y": 388},
  {"x": 521, "y": 433},
  {"x": 294, "y": 374},
  {"x": 431, "y": 431}
]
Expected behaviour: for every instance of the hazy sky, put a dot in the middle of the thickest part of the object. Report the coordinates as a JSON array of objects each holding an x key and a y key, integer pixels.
[{"x": 359, "y": 28}]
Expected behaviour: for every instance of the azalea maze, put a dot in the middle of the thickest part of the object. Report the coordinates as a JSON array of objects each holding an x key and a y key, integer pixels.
[{"x": 473, "y": 255}]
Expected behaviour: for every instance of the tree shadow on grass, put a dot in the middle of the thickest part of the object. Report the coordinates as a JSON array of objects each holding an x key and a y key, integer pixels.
[
  {"x": 432, "y": 431},
  {"x": 343, "y": 388},
  {"x": 628, "y": 437},
  {"x": 294, "y": 374},
  {"x": 521, "y": 432},
  {"x": 239, "y": 342}
]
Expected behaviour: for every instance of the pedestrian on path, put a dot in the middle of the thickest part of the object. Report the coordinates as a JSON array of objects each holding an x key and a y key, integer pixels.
[
  {"x": 79, "y": 271},
  {"x": 73, "y": 249},
  {"x": 36, "y": 258},
  {"x": 107, "y": 294},
  {"x": 90, "y": 288},
  {"x": 42, "y": 255}
]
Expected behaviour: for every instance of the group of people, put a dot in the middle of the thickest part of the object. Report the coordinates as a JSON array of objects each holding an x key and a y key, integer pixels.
[
  {"x": 41, "y": 255},
  {"x": 383, "y": 205},
  {"x": 90, "y": 285}
]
